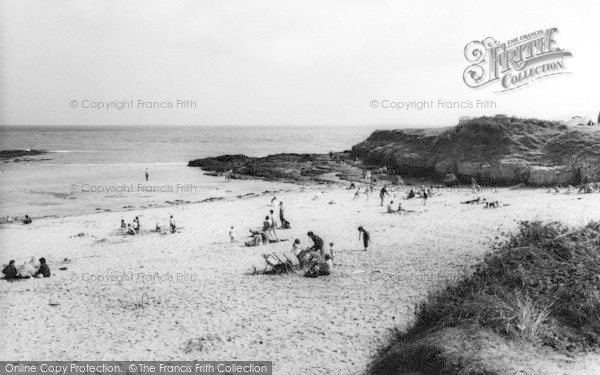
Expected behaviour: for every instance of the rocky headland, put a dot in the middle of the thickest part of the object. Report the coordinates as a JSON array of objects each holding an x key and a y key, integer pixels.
[{"x": 497, "y": 150}]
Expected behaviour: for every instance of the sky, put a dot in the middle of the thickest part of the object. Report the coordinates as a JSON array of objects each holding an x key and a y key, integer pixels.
[{"x": 255, "y": 62}]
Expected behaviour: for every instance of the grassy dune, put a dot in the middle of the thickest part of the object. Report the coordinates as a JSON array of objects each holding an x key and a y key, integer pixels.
[{"x": 532, "y": 303}]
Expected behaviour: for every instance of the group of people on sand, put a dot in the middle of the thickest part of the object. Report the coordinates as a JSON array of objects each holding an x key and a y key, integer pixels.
[
  {"x": 585, "y": 188},
  {"x": 26, "y": 270},
  {"x": 134, "y": 228},
  {"x": 267, "y": 233}
]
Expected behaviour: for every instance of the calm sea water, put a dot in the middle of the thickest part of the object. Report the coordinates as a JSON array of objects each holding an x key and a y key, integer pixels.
[
  {"x": 109, "y": 156},
  {"x": 174, "y": 144}
]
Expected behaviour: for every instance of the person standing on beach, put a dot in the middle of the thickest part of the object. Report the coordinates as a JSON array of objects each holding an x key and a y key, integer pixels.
[
  {"x": 231, "y": 235},
  {"x": 281, "y": 216},
  {"x": 365, "y": 237},
  {"x": 137, "y": 225},
  {"x": 272, "y": 223},
  {"x": 147, "y": 174},
  {"x": 172, "y": 225},
  {"x": 382, "y": 194},
  {"x": 317, "y": 243}
]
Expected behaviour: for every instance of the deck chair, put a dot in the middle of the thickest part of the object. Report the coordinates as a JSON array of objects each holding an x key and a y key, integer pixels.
[{"x": 276, "y": 264}]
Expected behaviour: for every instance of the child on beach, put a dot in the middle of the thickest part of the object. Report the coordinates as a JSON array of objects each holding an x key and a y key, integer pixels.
[
  {"x": 365, "y": 237},
  {"x": 231, "y": 235},
  {"x": 331, "y": 251},
  {"x": 123, "y": 225},
  {"x": 157, "y": 228},
  {"x": 130, "y": 230}
]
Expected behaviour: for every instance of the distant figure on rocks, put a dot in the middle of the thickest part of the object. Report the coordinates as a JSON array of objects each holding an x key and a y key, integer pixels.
[
  {"x": 317, "y": 243},
  {"x": 44, "y": 270},
  {"x": 231, "y": 235},
  {"x": 382, "y": 194},
  {"x": 365, "y": 237},
  {"x": 10, "y": 271},
  {"x": 172, "y": 225},
  {"x": 27, "y": 220},
  {"x": 147, "y": 174}
]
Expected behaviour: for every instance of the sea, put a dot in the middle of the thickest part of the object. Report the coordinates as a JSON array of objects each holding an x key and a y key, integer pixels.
[{"x": 87, "y": 167}]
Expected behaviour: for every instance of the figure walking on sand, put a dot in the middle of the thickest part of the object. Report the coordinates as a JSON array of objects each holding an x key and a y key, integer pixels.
[
  {"x": 382, "y": 194},
  {"x": 365, "y": 237},
  {"x": 147, "y": 174}
]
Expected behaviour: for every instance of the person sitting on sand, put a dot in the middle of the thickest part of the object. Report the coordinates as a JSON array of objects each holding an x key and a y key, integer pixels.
[
  {"x": 29, "y": 268},
  {"x": 10, "y": 271},
  {"x": 365, "y": 237},
  {"x": 130, "y": 230},
  {"x": 352, "y": 186},
  {"x": 123, "y": 225},
  {"x": 410, "y": 195},
  {"x": 274, "y": 201},
  {"x": 172, "y": 225},
  {"x": 314, "y": 264},
  {"x": 27, "y": 220},
  {"x": 231, "y": 235},
  {"x": 390, "y": 210},
  {"x": 255, "y": 240},
  {"x": 157, "y": 229},
  {"x": 44, "y": 270},
  {"x": 326, "y": 267},
  {"x": 317, "y": 243},
  {"x": 300, "y": 253}
]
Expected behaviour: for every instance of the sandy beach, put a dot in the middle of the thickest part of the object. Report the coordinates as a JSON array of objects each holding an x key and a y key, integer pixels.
[{"x": 187, "y": 296}]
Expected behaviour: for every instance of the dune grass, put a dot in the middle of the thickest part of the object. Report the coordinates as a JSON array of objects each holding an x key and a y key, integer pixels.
[{"x": 540, "y": 287}]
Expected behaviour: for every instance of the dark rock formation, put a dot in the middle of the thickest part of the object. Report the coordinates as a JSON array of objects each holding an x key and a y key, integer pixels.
[
  {"x": 295, "y": 167},
  {"x": 9, "y": 154},
  {"x": 496, "y": 150}
]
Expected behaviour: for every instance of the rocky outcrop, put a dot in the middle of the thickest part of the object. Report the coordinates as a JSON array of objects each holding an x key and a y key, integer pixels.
[
  {"x": 496, "y": 150},
  {"x": 294, "y": 167},
  {"x": 10, "y": 154}
]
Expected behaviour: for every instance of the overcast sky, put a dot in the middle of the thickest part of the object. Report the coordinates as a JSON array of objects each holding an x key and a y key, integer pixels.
[{"x": 278, "y": 62}]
